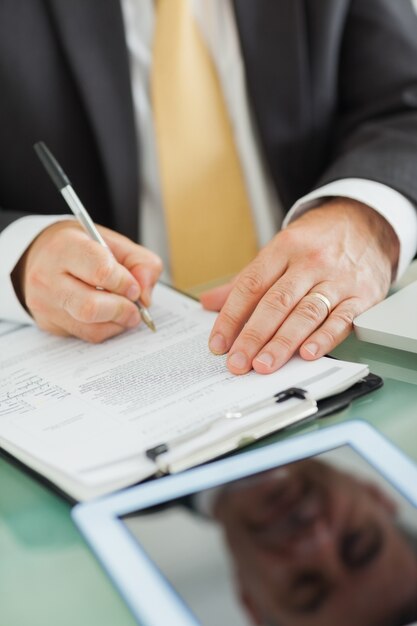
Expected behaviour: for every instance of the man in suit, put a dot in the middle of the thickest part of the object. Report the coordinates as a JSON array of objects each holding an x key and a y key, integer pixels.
[{"x": 321, "y": 97}]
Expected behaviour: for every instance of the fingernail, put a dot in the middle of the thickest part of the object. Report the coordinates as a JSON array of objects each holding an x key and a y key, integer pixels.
[
  {"x": 312, "y": 348},
  {"x": 133, "y": 292},
  {"x": 218, "y": 344},
  {"x": 266, "y": 359},
  {"x": 238, "y": 360}
]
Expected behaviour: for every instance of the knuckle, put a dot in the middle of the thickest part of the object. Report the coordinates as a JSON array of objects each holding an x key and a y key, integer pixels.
[
  {"x": 252, "y": 335},
  {"x": 279, "y": 299},
  {"x": 282, "y": 343},
  {"x": 147, "y": 257},
  {"x": 229, "y": 318},
  {"x": 287, "y": 238},
  {"x": 157, "y": 263},
  {"x": 103, "y": 271},
  {"x": 318, "y": 257},
  {"x": 329, "y": 334},
  {"x": 251, "y": 283},
  {"x": 344, "y": 317},
  {"x": 99, "y": 259},
  {"x": 339, "y": 323},
  {"x": 35, "y": 278},
  {"x": 310, "y": 310}
]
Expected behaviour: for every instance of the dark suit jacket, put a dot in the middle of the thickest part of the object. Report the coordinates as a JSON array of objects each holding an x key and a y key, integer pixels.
[{"x": 332, "y": 84}]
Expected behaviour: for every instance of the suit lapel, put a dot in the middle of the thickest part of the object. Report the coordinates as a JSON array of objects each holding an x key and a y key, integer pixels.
[
  {"x": 274, "y": 47},
  {"x": 92, "y": 36}
]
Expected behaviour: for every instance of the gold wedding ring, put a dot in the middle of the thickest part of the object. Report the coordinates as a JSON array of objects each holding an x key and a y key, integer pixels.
[{"x": 324, "y": 299}]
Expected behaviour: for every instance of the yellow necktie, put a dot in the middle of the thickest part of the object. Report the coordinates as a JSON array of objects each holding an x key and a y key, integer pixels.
[{"x": 208, "y": 218}]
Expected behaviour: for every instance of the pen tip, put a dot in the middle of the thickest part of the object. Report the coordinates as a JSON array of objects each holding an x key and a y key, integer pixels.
[
  {"x": 148, "y": 319},
  {"x": 152, "y": 326},
  {"x": 146, "y": 316}
]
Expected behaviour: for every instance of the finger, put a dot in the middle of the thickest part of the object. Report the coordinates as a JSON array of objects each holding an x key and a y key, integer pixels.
[
  {"x": 147, "y": 276},
  {"x": 251, "y": 286},
  {"x": 308, "y": 315},
  {"x": 68, "y": 327},
  {"x": 269, "y": 315},
  {"x": 214, "y": 299},
  {"x": 333, "y": 331},
  {"x": 143, "y": 264},
  {"x": 95, "y": 265},
  {"x": 95, "y": 333},
  {"x": 88, "y": 305}
]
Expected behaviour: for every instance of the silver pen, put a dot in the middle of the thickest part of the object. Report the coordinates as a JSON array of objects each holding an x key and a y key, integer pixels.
[{"x": 65, "y": 188}]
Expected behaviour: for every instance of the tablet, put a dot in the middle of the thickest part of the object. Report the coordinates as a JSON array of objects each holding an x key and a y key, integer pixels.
[{"x": 318, "y": 529}]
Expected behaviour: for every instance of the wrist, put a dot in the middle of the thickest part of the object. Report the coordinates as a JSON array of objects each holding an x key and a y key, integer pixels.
[{"x": 359, "y": 219}]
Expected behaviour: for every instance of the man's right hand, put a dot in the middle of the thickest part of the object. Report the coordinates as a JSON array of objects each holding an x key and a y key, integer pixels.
[{"x": 58, "y": 276}]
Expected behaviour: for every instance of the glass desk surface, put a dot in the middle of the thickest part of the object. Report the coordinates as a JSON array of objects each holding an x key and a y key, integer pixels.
[{"x": 48, "y": 575}]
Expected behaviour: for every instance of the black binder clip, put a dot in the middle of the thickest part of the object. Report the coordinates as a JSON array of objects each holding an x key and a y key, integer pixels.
[
  {"x": 291, "y": 392},
  {"x": 281, "y": 396},
  {"x": 153, "y": 453}
]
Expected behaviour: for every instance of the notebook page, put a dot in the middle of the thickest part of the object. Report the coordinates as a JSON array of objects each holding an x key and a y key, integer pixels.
[{"x": 90, "y": 411}]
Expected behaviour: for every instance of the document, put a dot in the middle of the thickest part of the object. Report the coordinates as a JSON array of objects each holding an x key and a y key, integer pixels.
[{"x": 84, "y": 415}]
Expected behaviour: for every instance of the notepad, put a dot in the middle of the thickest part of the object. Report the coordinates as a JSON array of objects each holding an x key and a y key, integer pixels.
[{"x": 83, "y": 416}]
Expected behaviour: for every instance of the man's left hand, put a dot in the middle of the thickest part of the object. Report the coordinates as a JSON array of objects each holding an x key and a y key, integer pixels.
[{"x": 343, "y": 250}]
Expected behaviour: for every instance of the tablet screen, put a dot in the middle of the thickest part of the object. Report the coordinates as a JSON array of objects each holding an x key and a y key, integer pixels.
[{"x": 321, "y": 541}]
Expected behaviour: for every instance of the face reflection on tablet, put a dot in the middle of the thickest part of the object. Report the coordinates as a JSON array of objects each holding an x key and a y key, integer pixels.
[{"x": 312, "y": 545}]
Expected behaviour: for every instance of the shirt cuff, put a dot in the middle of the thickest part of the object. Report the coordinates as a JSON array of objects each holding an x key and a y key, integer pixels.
[
  {"x": 396, "y": 208},
  {"x": 14, "y": 240}
]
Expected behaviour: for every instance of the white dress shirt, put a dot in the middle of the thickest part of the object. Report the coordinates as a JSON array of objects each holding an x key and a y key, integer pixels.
[{"x": 218, "y": 27}]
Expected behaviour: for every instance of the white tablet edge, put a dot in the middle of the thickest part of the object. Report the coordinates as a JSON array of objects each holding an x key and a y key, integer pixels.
[{"x": 138, "y": 579}]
